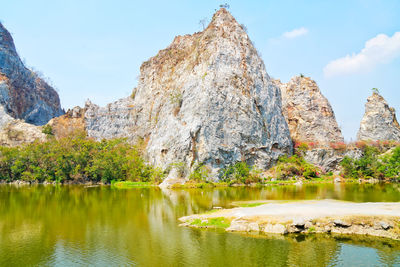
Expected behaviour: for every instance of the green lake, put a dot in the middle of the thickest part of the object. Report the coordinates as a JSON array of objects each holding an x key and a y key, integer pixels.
[{"x": 104, "y": 226}]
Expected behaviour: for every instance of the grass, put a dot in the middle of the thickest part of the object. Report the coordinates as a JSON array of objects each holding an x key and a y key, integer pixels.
[
  {"x": 129, "y": 184},
  {"x": 218, "y": 222},
  {"x": 311, "y": 229},
  {"x": 250, "y": 205}
]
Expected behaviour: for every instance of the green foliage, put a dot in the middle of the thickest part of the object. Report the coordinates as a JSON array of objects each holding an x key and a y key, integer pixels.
[
  {"x": 176, "y": 98},
  {"x": 239, "y": 172},
  {"x": 47, "y": 129},
  {"x": 375, "y": 90},
  {"x": 200, "y": 173},
  {"x": 76, "y": 158},
  {"x": 218, "y": 222},
  {"x": 251, "y": 204},
  {"x": 372, "y": 164},
  {"x": 288, "y": 167}
]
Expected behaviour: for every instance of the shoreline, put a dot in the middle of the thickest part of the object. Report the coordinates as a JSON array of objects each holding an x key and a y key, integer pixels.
[
  {"x": 199, "y": 185},
  {"x": 381, "y": 219}
]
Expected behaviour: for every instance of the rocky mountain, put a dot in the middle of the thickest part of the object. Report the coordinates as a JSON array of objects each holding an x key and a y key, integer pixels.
[
  {"x": 23, "y": 94},
  {"x": 308, "y": 113},
  {"x": 379, "y": 121},
  {"x": 205, "y": 99}
]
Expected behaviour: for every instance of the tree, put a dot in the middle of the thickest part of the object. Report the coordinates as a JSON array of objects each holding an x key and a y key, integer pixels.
[
  {"x": 375, "y": 90},
  {"x": 203, "y": 22},
  {"x": 226, "y": 6}
]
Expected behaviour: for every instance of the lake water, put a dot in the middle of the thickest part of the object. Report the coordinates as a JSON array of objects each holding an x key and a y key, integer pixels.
[{"x": 105, "y": 226}]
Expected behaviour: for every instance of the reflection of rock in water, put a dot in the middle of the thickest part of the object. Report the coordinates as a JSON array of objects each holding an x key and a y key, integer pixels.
[{"x": 305, "y": 251}]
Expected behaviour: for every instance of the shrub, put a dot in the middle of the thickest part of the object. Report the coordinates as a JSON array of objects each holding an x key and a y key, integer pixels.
[
  {"x": 239, "y": 172},
  {"x": 373, "y": 164},
  {"x": 47, "y": 129},
  {"x": 76, "y": 158},
  {"x": 200, "y": 173},
  {"x": 288, "y": 167}
]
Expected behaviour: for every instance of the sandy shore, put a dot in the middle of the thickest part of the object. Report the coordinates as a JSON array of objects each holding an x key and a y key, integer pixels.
[{"x": 311, "y": 216}]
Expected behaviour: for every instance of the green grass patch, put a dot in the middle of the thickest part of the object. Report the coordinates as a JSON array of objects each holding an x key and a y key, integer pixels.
[
  {"x": 129, "y": 184},
  {"x": 218, "y": 222},
  {"x": 311, "y": 229},
  {"x": 250, "y": 205}
]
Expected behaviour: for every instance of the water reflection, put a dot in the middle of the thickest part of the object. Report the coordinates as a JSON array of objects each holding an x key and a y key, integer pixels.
[{"x": 74, "y": 225}]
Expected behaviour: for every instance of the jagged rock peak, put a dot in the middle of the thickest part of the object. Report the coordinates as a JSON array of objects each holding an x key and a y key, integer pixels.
[
  {"x": 308, "y": 113},
  {"x": 379, "y": 121},
  {"x": 23, "y": 93},
  {"x": 205, "y": 99},
  {"x": 6, "y": 40}
]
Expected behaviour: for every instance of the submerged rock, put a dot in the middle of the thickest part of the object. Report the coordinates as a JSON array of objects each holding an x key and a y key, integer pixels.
[
  {"x": 23, "y": 93},
  {"x": 308, "y": 113},
  {"x": 205, "y": 99},
  {"x": 379, "y": 121}
]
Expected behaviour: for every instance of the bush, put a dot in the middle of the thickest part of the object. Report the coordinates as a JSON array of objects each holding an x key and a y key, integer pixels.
[
  {"x": 373, "y": 164},
  {"x": 239, "y": 172},
  {"x": 47, "y": 129},
  {"x": 76, "y": 158},
  {"x": 288, "y": 167},
  {"x": 200, "y": 173}
]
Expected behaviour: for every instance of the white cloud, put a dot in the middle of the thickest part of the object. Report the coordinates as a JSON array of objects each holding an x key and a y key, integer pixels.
[
  {"x": 295, "y": 33},
  {"x": 378, "y": 50}
]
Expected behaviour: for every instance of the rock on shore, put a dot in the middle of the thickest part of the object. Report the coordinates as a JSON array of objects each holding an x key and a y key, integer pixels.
[{"x": 311, "y": 216}]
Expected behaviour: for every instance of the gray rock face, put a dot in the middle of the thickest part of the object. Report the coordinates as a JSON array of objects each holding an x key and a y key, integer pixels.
[
  {"x": 308, "y": 113},
  {"x": 22, "y": 93},
  {"x": 15, "y": 132},
  {"x": 205, "y": 99},
  {"x": 379, "y": 121},
  {"x": 329, "y": 159}
]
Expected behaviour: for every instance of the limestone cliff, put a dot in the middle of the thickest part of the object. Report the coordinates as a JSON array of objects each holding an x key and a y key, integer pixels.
[
  {"x": 206, "y": 98},
  {"x": 379, "y": 121},
  {"x": 22, "y": 93},
  {"x": 308, "y": 113},
  {"x": 14, "y": 132}
]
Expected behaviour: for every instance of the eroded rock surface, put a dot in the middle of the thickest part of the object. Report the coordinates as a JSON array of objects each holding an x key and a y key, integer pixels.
[
  {"x": 329, "y": 159},
  {"x": 206, "y": 98},
  {"x": 308, "y": 113},
  {"x": 379, "y": 121},
  {"x": 15, "y": 132},
  {"x": 23, "y": 93}
]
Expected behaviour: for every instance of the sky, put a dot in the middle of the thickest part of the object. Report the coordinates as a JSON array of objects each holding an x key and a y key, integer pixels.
[{"x": 93, "y": 49}]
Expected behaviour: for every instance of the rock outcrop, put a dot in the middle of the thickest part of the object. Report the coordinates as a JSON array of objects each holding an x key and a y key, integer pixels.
[
  {"x": 329, "y": 159},
  {"x": 72, "y": 122},
  {"x": 205, "y": 99},
  {"x": 379, "y": 121},
  {"x": 15, "y": 132},
  {"x": 308, "y": 113},
  {"x": 23, "y": 94}
]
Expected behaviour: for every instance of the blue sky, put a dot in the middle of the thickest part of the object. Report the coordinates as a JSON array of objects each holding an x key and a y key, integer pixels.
[{"x": 93, "y": 49}]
